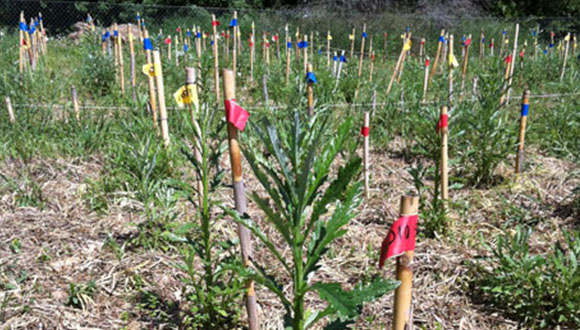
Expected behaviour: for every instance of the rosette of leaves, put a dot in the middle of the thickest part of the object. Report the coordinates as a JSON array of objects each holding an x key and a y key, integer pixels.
[{"x": 309, "y": 206}]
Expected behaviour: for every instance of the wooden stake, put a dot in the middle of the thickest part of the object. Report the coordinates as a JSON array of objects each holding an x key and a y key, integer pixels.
[
  {"x": 75, "y": 103},
  {"x": 252, "y": 53},
  {"x": 465, "y": 63},
  {"x": 522, "y": 132},
  {"x": 567, "y": 39},
  {"x": 491, "y": 45},
  {"x": 385, "y": 48},
  {"x": 403, "y": 311},
  {"x": 509, "y": 59},
  {"x": 352, "y": 37},
  {"x": 10, "y": 111},
  {"x": 21, "y": 48},
  {"x": 444, "y": 169},
  {"x": 362, "y": 50},
  {"x": 288, "y": 55},
  {"x": 151, "y": 81},
  {"x": 335, "y": 63},
  {"x": 397, "y": 66},
  {"x": 426, "y": 80},
  {"x": 450, "y": 76},
  {"x": 132, "y": 59},
  {"x": 310, "y": 92},
  {"x": 372, "y": 65},
  {"x": 328, "y": 38},
  {"x": 306, "y": 53},
  {"x": 513, "y": 61},
  {"x": 216, "y": 75},
  {"x": 365, "y": 133},
  {"x": 235, "y": 46},
  {"x": 161, "y": 96},
  {"x": 439, "y": 45},
  {"x": 240, "y": 200},
  {"x": 121, "y": 63}
]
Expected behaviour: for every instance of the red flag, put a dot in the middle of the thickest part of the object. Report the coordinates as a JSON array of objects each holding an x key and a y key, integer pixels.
[
  {"x": 215, "y": 23},
  {"x": 236, "y": 115},
  {"x": 522, "y": 54},
  {"x": 178, "y": 29},
  {"x": 401, "y": 238},
  {"x": 168, "y": 41},
  {"x": 267, "y": 45},
  {"x": 508, "y": 59},
  {"x": 275, "y": 37},
  {"x": 427, "y": 62},
  {"x": 442, "y": 123},
  {"x": 467, "y": 42},
  {"x": 364, "y": 131}
]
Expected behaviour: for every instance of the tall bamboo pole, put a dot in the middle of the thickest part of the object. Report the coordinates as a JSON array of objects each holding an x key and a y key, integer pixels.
[
  {"x": 515, "y": 51},
  {"x": 352, "y": 38},
  {"x": 132, "y": 59},
  {"x": 75, "y": 103},
  {"x": 235, "y": 45},
  {"x": 362, "y": 50},
  {"x": 121, "y": 63},
  {"x": 439, "y": 45},
  {"x": 328, "y": 38},
  {"x": 444, "y": 131},
  {"x": 288, "y": 57},
  {"x": 161, "y": 97},
  {"x": 310, "y": 92},
  {"x": 567, "y": 39},
  {"x": 522, "y": 131},
  {"x": 450, "y": 74},
  {"x": 305, "y": 52},
  {"x": 216, "y": 74},
  {"x": 426, "y": 80},
  {"x": 403, "y": 311},
  {"x": 240, "y": 200},
  {"x": 464, "y": 69},
  {"x": 365, "y": 134},
  {"x": 147, "y": 46},
  {"x": 10, "y": 111}
]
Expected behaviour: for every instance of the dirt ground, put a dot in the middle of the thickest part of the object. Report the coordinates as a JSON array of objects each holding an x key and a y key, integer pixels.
[{"x": 64, "y": 243}]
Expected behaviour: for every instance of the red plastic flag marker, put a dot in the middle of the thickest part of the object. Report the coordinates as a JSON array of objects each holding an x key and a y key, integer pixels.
[
  {"x": 427, "y": 62},
  {"x": 364, "y": 131},
  {"x": 168, "y": 41},
  {"x": 508, "y": 59},
  {"x": 401, "y": 238},
  {"x": 215, "y": 23},
  {"x": 236, "y": 115},
  {"x": 442, "y": 123}
]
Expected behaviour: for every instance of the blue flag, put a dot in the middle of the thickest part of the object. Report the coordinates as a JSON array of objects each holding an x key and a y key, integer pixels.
[{"x": 310, "y": 77}]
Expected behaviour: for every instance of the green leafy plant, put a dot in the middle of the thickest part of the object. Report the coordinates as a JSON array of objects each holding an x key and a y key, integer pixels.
[
  {"x": 297, "y": 207},
  {"x": 81, "y": 295},
  {"x": 539, "y": 290},
  {"x": 211, "y": 288}
]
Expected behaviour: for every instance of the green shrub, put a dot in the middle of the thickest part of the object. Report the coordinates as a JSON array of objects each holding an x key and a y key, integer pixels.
[{"x": 539, "y": 290}]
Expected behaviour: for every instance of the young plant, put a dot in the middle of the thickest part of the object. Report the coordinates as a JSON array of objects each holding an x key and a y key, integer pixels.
[
  {"x": 308, "y": 205},
  {"x": 539, "y": 290},
  {"x": 211, "y": 288}
]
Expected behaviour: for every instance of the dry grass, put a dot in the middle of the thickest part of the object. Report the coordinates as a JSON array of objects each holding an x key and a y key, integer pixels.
[{"x": 64, "y": 243}]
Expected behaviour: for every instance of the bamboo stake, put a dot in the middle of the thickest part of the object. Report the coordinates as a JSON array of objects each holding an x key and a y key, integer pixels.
[
  {"x": 481, "y": 45},
  {"x": 21, "y": 47},
  {"x": 235, "y": 46},
  {"x": 312, "y": 45},
  {"x": 240, "y": 200},
  {"x": 365, "y": 134},
  {"x": 408, "y": 52},
  {"x": 491, "y": 45},
  {"x": 161, "y": 97},
  {"x": 421, "y": 49},
  {"x": 176, "y": 50},
  {"x": 42, "y": 33},
  {"x": 276, "y": 38},
  {"x": 444, "y": 169},
  {"x": 552, "y": 34},
  {"x": 190, "y": 79},
  {"x": 340, "y": 66},
  {"x": 75, "y": 103},
  {"x": 372, "y": 65},
  {"x": 450, "y": 75},
  {"x": 426, "y": 81},
  {"x": 513, "y": 61},
  {"x": 132, "y": 63},
  {"x": 288, "y": 55},
  {"x": 139, "y": 27},
  {"x": 403, "y": 311},
  {"x": 352, "y": 37},
  {"x": 328, "y": 38},
  {"x": 310, "y": 92},
  {"x": 508, "y": 60},
  {"x": 567, "y": 39},
  {"x": 298, "y": 40},
  {"x": 362, "y": 50},
  {"x": 444, "y": 52},
  {"x": 522, "y": 131},
  {"x": 397, "y": 66},
  {"x": 439, "y": 45},
  {"x": 29, "y": 44},
  {"x": 385, "y": 48},
  {"x": 116, "y": 51},
  {"x": 10, "y": 111},
  {"x": 306, "y": 53},
  {"x": 121, "y": 63},
  {"x": 465, "y": 63},
  {"x": 335, "y": 64},
  {"x": 216, "y": 75},
  {"x": 150, "y": 79},
  {"x": 267, "y": 50}
]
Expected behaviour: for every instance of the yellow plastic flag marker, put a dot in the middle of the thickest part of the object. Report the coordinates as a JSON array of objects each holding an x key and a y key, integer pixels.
[
  {"x": 329, "y": 37},
  {"x": 351, "y": 37},
  {"x": 507, "y": 41},
  {"x": 407, "y": 45},
  {"x": 453, "y": 61},
  {"x": 567, "y": 37},
  {"x": 149, "y": 69},
  {"x": 403, "y": 36},
  {"x": 186, "y": 95}
]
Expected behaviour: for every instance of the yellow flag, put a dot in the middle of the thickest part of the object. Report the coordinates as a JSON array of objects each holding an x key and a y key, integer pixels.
[
  {"x": 453, "y": 61},
  {"x": 507, "y": 41},
  {"x": 567, "y": 37},
  {"x": 149, "y": 70},
  {"x": 351, "y": 36},
  {"x": 329, "y": 37},
  {"x": 407, "y": 45},
  {"x": 403, "y": 36},
  {"x": 253, "y": 26},
  {"x": 186, "y": 95},
  {"x": 239, "y": 33}
]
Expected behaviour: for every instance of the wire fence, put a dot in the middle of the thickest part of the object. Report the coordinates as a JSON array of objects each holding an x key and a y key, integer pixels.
[{"x": 60, "y": 17}]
